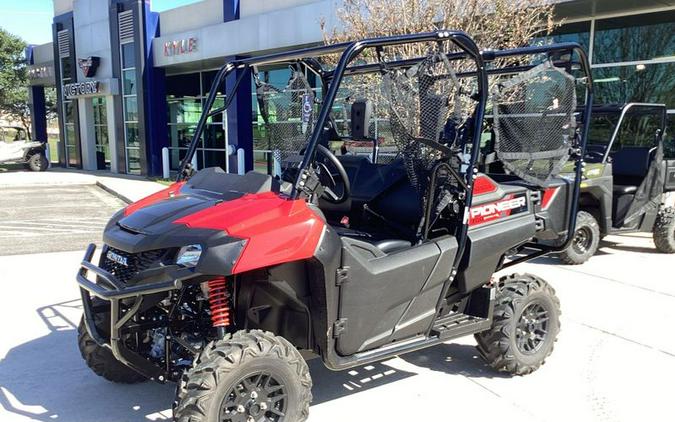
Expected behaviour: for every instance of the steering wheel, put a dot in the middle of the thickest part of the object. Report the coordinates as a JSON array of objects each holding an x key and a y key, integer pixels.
[{"x": 333, "y": 176}]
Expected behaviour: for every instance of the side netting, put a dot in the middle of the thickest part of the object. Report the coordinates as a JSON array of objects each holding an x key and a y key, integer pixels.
[
  {"x": 289, "y": 116},
  {"x": 534, "y": 122},
  {"x": 423, "y": 102}
]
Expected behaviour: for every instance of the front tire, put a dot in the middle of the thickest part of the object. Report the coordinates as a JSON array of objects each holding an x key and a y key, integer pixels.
[
  {"x": 525, "y": 326},
  {"x": 101, "y": 360},
  {"x": 246, "y": 376},
  {"x": 586, "y": 240},
  {"x": 664, "y": 230},
  {"x": 37, "y": 162}
]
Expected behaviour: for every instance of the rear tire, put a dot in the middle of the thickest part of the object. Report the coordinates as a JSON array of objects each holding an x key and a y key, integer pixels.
[
  {"x": 101, "y": 360},
  {"x": 586, "y": 240},
  {"x": 525, "y": 326},
  {"x": 37, "y": 162},
  {"x": 244, "y": 377},
  {"x": 664, "y": 230}
]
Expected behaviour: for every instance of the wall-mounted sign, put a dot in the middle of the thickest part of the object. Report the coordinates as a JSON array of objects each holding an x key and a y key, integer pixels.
[
  {"x": 80, "y": 89},
  {"x": 179, "y": 47},
  {"x": 89, "y": 66},
  {"x": 40, "y": 72},
  {"x": 91, "y": 88}
]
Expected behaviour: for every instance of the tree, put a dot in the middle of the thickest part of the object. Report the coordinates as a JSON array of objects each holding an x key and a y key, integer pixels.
[
  {"x": 13, "y": 79},
  {"x": 495, "y": 24}
]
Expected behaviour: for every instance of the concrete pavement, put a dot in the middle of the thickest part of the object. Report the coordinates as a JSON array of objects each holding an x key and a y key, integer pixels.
[
  {"x": 126, "y": 187},
  {"x": 52, "y": 218},
  {"x": 614, "y": 360}
]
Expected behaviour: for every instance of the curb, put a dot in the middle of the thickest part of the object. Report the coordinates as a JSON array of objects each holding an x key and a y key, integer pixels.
[{"x": 113, "y": 192}]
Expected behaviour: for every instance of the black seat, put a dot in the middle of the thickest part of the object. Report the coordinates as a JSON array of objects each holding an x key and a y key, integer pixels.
[
  {"x": 385, "y": 245},
  {"x": 392, "y": 245},
  {"x": 624, "y": 189}
]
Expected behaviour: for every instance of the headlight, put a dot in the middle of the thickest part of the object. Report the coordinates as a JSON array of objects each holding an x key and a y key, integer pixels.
[{"x": 188, "y": 256}]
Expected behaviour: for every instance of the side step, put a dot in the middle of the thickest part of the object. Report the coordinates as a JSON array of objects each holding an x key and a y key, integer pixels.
[{"x": 458, "y": 325}]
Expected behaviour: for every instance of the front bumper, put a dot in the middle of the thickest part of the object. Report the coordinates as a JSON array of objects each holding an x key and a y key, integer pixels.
[{"x": 108, "y": 288}]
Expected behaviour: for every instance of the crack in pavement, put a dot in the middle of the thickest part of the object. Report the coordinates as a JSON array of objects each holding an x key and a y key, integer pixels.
[{"x": 623, "y": 338}]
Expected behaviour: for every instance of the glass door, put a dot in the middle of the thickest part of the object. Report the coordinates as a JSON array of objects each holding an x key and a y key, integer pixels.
[{"x": 101, "y": 133}]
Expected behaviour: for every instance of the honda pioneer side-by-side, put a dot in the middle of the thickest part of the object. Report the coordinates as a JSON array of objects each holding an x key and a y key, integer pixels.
[
  {"x": 226, "y": 283},
  {"x": 630, "y": 168},
  {"x": 17, "y": 148}
]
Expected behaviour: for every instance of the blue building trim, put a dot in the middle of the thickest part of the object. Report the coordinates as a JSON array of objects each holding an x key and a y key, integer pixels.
[
  {"x": 38, "y": 106},
  {"x": 239, "y": 116},
  {"x": 230, "y": 10},
  {"x": 154, "y": 98}
]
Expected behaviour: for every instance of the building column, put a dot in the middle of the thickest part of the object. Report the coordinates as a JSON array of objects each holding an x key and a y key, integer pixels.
[
  {"x": 239, "y": 120},
  {"x": 38, "y": 113},
  {"x": 87, "y": 135},
  {"x": 113, "y": 136}
]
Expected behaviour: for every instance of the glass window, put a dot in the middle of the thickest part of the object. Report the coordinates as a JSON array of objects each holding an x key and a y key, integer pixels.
[
  {"x": 635, "y": 37},
  {"x": 638, "y": 130},
  {"x": 187, "y": 85},
  {"x": 133, "y": 160},
  {"x": 186, "y": 95},
  {"x": 579, "y": 32},
  {"x": 184, "y": 110},
  {"x": 181, "y": 135},
  {"x": 601, "y": 128},
  {"x": 653, "y": 83},
  {"x": 131, "y": 109},
  {"x": 70, "y": 134},
  {"x": 132, "y": 135},
  {"x": 214, "y": 137},
  {"x": 129, "y": 81},
  {"x": 128, "y": 55},
  {"x": 69, "y": 111},
  {"x": 214, "y": 158},
  {"x": 66, "y": 70},
  {"x": 207, "y": 81},
  {"x": 100, "y": 113},
  {"x": 73, "y": 155}
]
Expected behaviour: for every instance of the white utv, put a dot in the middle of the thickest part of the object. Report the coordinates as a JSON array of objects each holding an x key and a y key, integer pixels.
[{"x": 17, "y": 148}]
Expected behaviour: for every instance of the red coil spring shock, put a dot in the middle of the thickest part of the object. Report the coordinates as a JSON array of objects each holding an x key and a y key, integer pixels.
[{"x": 219, "y": 301}]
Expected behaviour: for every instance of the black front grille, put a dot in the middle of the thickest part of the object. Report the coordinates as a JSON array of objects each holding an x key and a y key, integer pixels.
[{"x": 136, "y": 262}]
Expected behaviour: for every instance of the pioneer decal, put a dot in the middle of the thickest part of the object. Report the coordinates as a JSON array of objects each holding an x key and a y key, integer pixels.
[{"x": 484, "y": 213}]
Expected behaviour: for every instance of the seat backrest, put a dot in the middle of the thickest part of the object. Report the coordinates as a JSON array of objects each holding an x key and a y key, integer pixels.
[{"x": 631, "y": 161}]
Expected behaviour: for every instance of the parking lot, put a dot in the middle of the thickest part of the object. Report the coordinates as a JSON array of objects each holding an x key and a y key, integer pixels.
[
  {"x": 614, "y": 360},
  {"x": 38, "y": 219}
]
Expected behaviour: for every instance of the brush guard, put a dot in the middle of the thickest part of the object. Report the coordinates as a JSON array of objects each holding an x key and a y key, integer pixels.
[{"x": 110, "y": 289}]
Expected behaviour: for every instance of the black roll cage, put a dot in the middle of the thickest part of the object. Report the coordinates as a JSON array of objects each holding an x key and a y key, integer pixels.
[{"x": 350, "y": 50}]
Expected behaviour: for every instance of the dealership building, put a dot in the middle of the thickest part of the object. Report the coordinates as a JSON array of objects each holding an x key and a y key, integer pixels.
[{"x": 131, "y": 81}]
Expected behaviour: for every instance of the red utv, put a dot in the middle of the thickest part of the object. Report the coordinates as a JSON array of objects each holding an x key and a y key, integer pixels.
[{"x": 225, "y": 283}]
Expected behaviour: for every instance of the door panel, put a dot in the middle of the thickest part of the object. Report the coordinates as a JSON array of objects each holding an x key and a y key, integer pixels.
[{"x": 389, "y": 297}]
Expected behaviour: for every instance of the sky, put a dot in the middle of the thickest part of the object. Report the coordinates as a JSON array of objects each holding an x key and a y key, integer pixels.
[{"x": 32, "y": 19}]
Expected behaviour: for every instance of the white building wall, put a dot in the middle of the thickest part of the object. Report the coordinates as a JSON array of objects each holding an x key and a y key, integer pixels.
[
  {"x": 256, "y": 7},
  {"x": 273, "y": 30},
  {"x": 191, "y": 16},
  {"x": 62, "y": 6}
]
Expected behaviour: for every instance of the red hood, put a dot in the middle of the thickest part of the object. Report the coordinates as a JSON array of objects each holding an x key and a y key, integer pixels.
[{"x": 277, "y": 229}]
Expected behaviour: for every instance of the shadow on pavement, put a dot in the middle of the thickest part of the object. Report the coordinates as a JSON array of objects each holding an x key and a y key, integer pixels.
[
  {"x": 45, "y": 379},
  {"x": 453, "y": 359},
  {"x": 626, "y": 248}
]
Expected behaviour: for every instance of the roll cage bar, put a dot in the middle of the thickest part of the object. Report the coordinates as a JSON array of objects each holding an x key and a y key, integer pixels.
[{"x": 350, "y": 50}]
